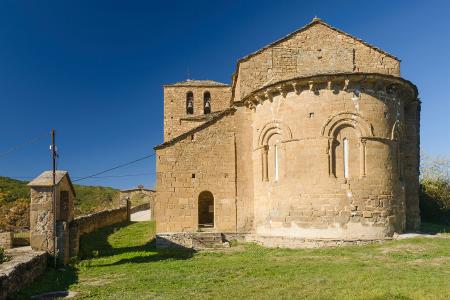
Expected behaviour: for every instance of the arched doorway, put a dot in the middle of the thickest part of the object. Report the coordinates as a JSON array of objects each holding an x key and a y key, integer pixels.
[{"x": 206, "y": 210}]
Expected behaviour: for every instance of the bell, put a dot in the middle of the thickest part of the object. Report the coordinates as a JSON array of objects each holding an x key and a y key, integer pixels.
[
  {"x": 189, "y": 104},
  {"x": 207, "y": 105}
]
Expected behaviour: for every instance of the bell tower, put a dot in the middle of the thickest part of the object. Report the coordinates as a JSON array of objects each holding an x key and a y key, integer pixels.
[{"x": 189, "y": 103}]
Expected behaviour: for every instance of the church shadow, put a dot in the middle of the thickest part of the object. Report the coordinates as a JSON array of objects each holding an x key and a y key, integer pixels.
[
  {"x": 96, "y": 244},
  {"x": 154, "y": 255}
]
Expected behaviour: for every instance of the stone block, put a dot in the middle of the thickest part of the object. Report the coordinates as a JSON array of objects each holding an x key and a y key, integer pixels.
[{"x": 367, "y": 214}]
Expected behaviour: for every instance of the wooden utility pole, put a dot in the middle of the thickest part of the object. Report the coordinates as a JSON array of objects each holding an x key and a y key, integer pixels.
[{"x": 54, "y": 195}]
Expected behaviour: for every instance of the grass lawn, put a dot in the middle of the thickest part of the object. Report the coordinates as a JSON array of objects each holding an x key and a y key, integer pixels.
[{"x": 120, "y": 263}]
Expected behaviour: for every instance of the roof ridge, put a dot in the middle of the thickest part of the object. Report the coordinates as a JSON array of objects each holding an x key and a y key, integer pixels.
[
  {"x": 45, "y": 179},
  {"x": 197, "y": 82},
  {"x": 314, "y": 21}
]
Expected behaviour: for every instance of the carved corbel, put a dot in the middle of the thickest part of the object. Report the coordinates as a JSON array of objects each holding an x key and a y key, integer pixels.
[
  {"x": 282, "y": 91},
  {"x": 378, "y": 86},
  {"x": 346, "y": 83},
  {"x": 392, "y": 90},
  {"x": 268, "y": 95},
  {"x": 296, "y": 88},
  {"x": 403, "y": 93},
  {"x": 259, "y": 99}
]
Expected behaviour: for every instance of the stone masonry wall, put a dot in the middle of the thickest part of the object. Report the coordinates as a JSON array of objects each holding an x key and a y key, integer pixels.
[
  {"x": 138, "y": 196},
  {"x": 89, "y": 223},
  {"x": 323, "y": 144},
  {"x": 316, "y": 50},
  {"x": 203, "y": 161},
  {"x": 303, "y": 195},
  {"x": 142, "y": 195},
  {"x": 175, "y": 116},
  {"x": 41, "y": 219},
  {"x": 6, "y": 240},
  {"x": 244, "y": 170},
  {"x": 411, "y": 162},
  {"x": 23, "y": 268}
]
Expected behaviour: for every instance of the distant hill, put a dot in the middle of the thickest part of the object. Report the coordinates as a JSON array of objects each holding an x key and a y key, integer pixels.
[{"x": 15, "y": 202}]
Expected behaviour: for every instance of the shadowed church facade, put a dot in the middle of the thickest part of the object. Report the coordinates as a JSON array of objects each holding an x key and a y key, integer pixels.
[{"x": 316, "y": 138}]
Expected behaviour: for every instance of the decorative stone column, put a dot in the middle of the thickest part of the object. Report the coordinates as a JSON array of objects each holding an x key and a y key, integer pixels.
[{"x": 264, "y": 162}]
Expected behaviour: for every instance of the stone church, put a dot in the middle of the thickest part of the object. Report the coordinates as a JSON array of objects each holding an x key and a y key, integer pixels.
[{"x": 317, "y": 137}]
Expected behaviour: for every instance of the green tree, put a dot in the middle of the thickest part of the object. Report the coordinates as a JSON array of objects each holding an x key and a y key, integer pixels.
[{"x": 435, "y": 189}]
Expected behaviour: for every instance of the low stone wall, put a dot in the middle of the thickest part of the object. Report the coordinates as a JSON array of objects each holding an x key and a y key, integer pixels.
[
  {"x": 174, "y": 240},
  {"x": 89, "y": 223},
  {"x": 92, "y": 222},
  {"x": 6, "y": 240},
  {"x": 289, "y": 242},
  {"x": 186, "y": 240},
  {"x": 24, "y": 266},
  {"x": 141, "y": 207}
]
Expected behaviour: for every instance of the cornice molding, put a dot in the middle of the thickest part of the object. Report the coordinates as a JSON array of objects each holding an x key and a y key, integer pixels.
[{"x": 380, "y": 85}]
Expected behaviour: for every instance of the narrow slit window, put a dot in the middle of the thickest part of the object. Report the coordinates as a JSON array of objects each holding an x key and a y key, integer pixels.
[
  {"x": 276, "y": 162},
  {"x": 207, "y": 103},
  {"x": 190, "y": 103},
  {"x": 346, "y": 150}
]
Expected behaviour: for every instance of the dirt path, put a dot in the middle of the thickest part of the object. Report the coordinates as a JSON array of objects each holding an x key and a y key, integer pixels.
[{"x": 141, "y": 216}]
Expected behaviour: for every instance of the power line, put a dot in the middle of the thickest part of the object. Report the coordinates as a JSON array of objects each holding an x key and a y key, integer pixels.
[
  {"x": 95, "y": 177},
  {"x": 20, "y": 146},
  {"x": 121, "y": 176},
  {"x": 116, "y": 167}
]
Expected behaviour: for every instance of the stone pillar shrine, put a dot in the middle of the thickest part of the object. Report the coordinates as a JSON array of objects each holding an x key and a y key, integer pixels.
[{"x": 43, "y": 213}]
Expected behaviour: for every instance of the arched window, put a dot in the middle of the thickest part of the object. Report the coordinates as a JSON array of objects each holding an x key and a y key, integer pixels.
[
  {"x": 276, "y": 161},
  {"x": 346, "y": 157},
  {"x": 190, "y": 103},
  {"x": 206, "y": 103},
  {"x": 347, "y": 134},
  {"x": 272, "y": 159},
  {"x": 271, "y": 142},
  {"x": 345, "y": 153}
]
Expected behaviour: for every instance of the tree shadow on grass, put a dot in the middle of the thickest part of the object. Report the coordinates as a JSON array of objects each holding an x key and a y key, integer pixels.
[
  {"x": 96, "y": 244},
  {"x": 434, "y": 228}
]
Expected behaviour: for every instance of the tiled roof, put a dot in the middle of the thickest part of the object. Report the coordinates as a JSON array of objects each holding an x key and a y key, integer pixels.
[
  {"x": 193, "y": 82},
  {"x": 46, "y": 179},
  {"x": 313, "y": 22}
]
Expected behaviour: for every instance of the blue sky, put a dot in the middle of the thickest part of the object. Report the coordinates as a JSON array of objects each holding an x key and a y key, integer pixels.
[{"x": 94, "y": 70}]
